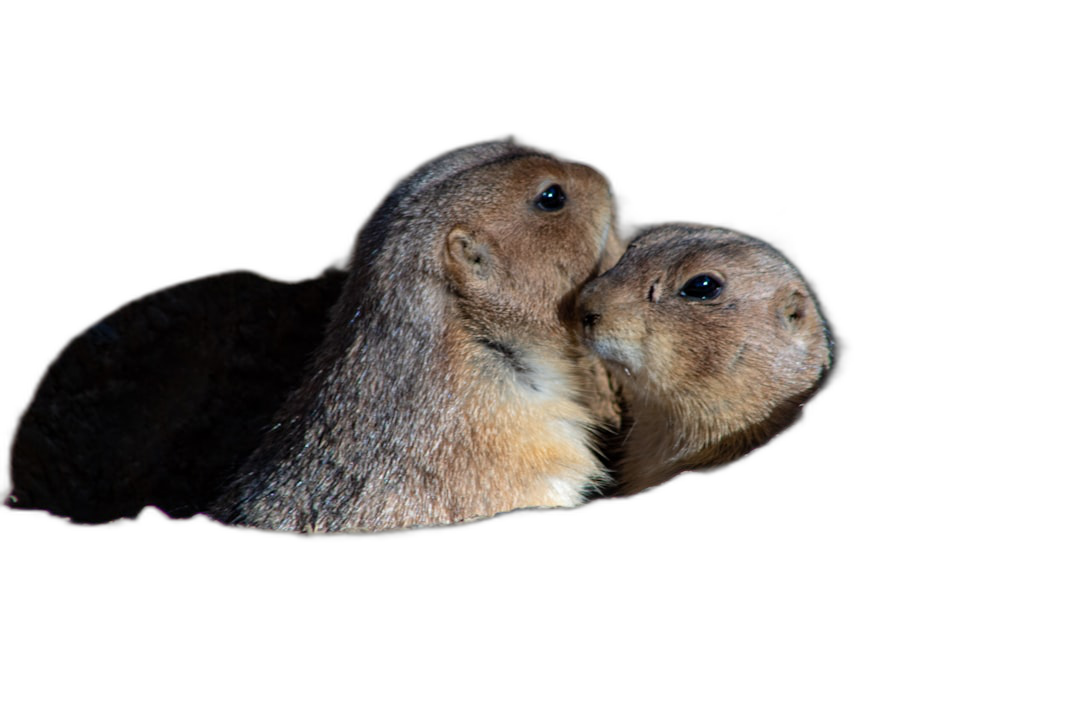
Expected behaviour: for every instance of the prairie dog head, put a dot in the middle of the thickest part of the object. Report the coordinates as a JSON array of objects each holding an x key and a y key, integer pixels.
[
  {"x": 531, "y": 231},
  {"x": 504, "y": 232},
  {"x": 711, "y": 328}
]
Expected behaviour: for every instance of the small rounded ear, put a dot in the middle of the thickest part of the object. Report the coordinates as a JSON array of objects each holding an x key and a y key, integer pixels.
[
  {"x": 795, "y": 309},
  {"x": 467, "y": 257}
]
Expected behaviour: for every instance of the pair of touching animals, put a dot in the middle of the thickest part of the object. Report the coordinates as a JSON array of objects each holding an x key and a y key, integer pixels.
[{"x": 491, "y": 346}]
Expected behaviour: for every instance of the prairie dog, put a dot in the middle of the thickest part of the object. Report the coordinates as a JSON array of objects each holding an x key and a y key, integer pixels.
[
  {"x": 716, "y": 342},
  {"x": 451, "y": 383}
]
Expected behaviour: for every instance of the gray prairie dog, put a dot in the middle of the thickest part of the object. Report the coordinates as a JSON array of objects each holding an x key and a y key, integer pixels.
[
  {"x": 716, "y": 342},
  {"x": 451, "y": 383}
]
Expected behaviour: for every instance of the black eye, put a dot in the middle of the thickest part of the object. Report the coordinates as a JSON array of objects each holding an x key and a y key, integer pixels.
[
  {"x": 552, "y": 199},
  {"x": 702, "y": 287}
]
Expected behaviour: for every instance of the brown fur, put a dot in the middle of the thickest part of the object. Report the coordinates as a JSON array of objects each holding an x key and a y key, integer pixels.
[
  {"x": 705, "y": 380},
  {"x": 449, "y": 386}
]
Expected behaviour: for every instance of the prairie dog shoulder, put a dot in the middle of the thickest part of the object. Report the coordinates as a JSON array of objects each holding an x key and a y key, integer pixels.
[
  {"x": 449, "y": 384},
  {"x": 716, "y": 341}
]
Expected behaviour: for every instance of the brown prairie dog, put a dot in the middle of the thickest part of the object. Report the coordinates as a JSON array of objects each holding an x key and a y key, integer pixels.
[
  {"x": 451, "y": 383},
  {"x": 716, "y": 342}
]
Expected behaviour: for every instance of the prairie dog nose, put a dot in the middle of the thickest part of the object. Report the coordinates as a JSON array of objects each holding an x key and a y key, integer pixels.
[{"x": 588, "y": 308}]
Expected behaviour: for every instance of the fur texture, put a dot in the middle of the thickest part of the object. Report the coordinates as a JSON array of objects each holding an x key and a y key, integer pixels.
[
  {"x": 704, "y": 380},
  {"x": 449, "y": 385}
]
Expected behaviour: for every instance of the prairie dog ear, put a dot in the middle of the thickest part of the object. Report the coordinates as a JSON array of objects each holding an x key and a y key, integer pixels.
[
  {"x": 795, "y": 307},
  {"x": 467, "y": 257}
]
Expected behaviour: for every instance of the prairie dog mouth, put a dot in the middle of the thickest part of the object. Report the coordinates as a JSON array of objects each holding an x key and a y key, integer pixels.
[{"x": 625, "y": 357}]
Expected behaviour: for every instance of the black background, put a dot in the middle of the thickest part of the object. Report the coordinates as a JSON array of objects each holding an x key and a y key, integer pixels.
[{"x": 142, "y": 166}]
